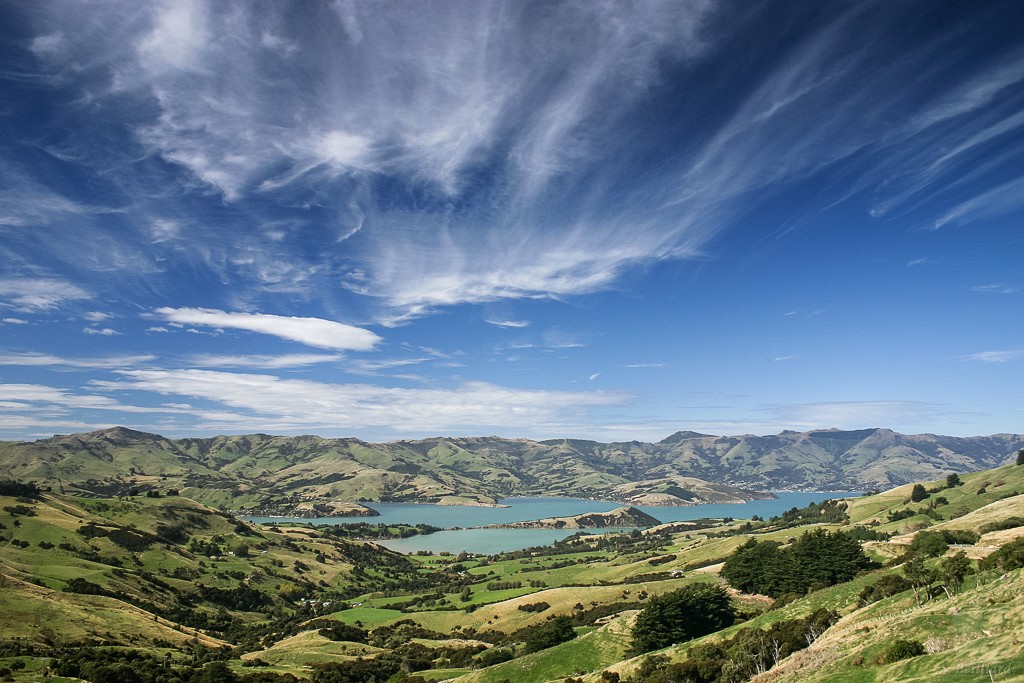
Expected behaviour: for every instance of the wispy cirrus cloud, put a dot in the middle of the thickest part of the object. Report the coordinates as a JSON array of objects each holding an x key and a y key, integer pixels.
[
  {"x": 43, "y": 397},
  {"x": 508, "y": 323},
  {"x": 490, "y": 109},
  {"x": 996, "y": 356},
  {"x": 994, "y": 289},
  {"x": 304, "y": 403},
  {"x": 325, "y": 334},
  {"x": 48, "y": 408},
  {"x": 373, "y": 367},
  {"x": 31, "y": 358},
  {"x": 288, "y": 360},
  {"x": 39, "y": 294},
  {"x": 858, "y": 414}
]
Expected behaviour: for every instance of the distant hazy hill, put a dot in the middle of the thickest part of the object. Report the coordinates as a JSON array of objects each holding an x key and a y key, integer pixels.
[{"x": 258, "y": 469}]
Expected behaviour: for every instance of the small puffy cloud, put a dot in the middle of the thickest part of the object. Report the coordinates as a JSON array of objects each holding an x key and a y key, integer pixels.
[
  {"x": 101, "y": 331},
  {"x": 96, "y": 316},
  {"x": 324, "y": 334},
  {"x": 15, "y": 321}
]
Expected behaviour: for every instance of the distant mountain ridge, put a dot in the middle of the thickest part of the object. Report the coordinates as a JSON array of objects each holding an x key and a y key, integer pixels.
[{"x": 259, "y": 469}]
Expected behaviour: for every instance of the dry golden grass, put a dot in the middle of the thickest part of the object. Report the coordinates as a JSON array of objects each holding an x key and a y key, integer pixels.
[{"x": 34, "y": 614}]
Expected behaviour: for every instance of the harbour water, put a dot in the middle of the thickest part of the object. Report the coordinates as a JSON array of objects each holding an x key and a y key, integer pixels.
[{"x": 458, "y": 520}]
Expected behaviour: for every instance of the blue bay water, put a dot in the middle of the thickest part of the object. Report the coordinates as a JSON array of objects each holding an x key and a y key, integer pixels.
[{"x": 456, "y": 518}]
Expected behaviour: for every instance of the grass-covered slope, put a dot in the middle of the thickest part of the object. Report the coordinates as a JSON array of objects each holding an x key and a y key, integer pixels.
[
  {"x": 140, "y": 570},
  {"x": 259, "y": 470},
  {"x": 88, "y": 576}
]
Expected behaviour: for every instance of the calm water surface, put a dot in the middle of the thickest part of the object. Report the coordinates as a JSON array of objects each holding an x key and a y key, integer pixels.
[{"x": 456, "y": 518}]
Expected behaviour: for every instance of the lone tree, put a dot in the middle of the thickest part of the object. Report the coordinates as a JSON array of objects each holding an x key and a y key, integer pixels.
[
  {"x": 1020, "y": 457},
  {"x": 919, "y": 576},
  {"x": 685, "y": 614},
  {"x": 953, "y": 570},
  {"x": 918, "y": 493},
  {"x": 953, "y": 480}
]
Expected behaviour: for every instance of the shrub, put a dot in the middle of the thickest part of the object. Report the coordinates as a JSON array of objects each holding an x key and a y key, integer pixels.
[
  {"x": 1007, "y": 558},
  {"x": 929, "y": 544},
  {"x": 960, "y": 536},
  {"x": 903, "y": 649},
  {"x": 495, "y": 655},
  {"x": 885, "y": 587},
  {"x": 534, "y": 607},
  {"x": 552, "y": 632},
  {"x": 1008, "y": 523}
]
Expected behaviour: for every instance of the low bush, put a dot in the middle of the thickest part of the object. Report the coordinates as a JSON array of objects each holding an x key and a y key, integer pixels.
[{"x": 903, "y": 649}]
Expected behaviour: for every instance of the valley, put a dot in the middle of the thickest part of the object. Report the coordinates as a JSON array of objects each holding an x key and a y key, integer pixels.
[{"x": 200, "y": 593}]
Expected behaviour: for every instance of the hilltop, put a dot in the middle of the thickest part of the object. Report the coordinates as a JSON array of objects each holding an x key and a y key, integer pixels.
[
  {"x": 619, "y": 518},
  {"x": 297, "y": 473}
]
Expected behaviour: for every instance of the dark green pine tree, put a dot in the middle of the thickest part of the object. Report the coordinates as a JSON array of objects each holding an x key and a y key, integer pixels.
[
  {"x": 918, "y": 493},
  {"x": 690, "y": 612},
  {"x": 745, "y": 568}
]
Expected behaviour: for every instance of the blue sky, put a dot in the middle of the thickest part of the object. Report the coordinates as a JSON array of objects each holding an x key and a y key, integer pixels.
[{"x": 602, "y": 220}]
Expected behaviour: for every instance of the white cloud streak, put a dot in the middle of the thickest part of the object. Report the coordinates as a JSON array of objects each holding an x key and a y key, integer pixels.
[
  {"x": 324, "y": 334},
  {"x": 503, "y": 138},
  {"x": 33, "y": 359},
  {"x": 996, "y": 356},
  {"x": 311, "y": 404},
  {"x": 857, "y": 414},
  {"x": 508, "y": 323},
  {"x": 290, "y": 360},
  {"x": 39, "y": 294}
]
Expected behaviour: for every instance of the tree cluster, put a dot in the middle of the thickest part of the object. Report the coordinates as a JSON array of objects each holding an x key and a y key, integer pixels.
[
  {"x": 750, "y": 652},
  {"x": 825, "y": 512},
  {"x": 816, "y": 560},
  {"x": 690, "y": 612},
  {"x": 554, "y": 631},
  {"x": 104, "y": 665}
]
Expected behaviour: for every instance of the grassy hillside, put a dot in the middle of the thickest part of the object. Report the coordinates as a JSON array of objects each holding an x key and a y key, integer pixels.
[
  {"x": 171, "y": 578},
  {"x": 294, "y": 473}
]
